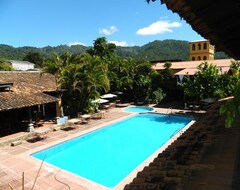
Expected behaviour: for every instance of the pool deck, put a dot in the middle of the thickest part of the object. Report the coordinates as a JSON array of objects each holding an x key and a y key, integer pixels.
[{"x": 14, "y": 160}]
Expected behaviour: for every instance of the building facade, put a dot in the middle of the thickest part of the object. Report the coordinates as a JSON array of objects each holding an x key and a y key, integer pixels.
[
  {"x": 21, "y": 65},
  {"x": 201, "y": 50}
]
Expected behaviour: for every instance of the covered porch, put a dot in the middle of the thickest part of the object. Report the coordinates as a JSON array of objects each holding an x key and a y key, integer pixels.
[{"x": 19, "y": 111}]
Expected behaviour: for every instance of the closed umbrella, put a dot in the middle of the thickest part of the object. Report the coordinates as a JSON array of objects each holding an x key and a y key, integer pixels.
[
  {"x": 100, "y": 101},
  {"x": 108, "y": 96}
]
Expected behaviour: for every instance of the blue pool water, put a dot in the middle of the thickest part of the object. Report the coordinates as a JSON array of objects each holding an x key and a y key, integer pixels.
[
  {"x": 138, "y": 109},
  {"x": 108, "y": 155}
]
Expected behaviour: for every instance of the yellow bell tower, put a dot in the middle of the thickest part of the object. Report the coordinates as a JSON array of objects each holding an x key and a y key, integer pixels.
[{"x": 201, "y": 50}]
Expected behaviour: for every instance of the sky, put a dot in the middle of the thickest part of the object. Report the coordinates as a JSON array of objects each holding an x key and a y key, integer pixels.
[{"x": 41, "y": 23}]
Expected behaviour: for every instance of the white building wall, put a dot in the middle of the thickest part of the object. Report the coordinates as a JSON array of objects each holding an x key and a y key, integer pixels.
[{"x": 21, "y": 65}]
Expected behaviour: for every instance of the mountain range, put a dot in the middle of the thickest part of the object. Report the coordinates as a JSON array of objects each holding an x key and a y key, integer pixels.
[{"x": 152, "y": 51}]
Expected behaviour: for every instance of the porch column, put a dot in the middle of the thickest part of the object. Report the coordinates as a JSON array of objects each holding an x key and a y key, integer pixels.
[
  {"x": 59, "y": 109},
  {"x": 30, "y": 115},
  {"x": 43, "y": 110},
  {"x": 30, "y": 125}
]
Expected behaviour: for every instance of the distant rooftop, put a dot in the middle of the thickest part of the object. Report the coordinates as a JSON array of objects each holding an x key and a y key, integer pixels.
[
  {"x": 193, "y": 64},
  {"x": 21, "y": 65},
  {"x": 20, "y": 62},
  {"x": 29, "y": 81},
  {"x": 27, "y": 89},
  {"x": 199, "y": 41}
]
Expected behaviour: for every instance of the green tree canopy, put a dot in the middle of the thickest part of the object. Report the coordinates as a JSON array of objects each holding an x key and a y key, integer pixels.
[
  {"x": 203, "y": 84},
  {"x": 230, "y": 86},
  {"x": 5, "y": 66},
  {"x": 102, "y": 49},
  {"x": 34, "y": 57}
]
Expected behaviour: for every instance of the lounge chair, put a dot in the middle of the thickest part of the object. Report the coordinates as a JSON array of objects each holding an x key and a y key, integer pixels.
[{"x": 97, "y": 116}]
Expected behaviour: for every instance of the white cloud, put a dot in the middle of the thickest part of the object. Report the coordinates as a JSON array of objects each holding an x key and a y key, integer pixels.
[
  {"x": 164, "y": 17},
  {"x": 117, "y": 43},
  {"x": 108, "y": 31},
  {"x": 159, "y": 27},
  {"x": 76, "y": 43}
]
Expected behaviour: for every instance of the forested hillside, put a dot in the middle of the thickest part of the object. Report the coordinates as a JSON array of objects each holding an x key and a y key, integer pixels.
[{"x": 156, "y": 50}]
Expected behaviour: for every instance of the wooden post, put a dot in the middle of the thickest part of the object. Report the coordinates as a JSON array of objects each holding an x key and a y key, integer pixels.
[
  {"x": 43, "y": 111},
  {"x": 30, "y": 115},
  {"x": 59, "y": 109},
  {"x": 23, "y": 181}
]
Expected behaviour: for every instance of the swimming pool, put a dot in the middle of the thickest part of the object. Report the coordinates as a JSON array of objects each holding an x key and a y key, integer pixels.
[
  {"x": 108, "y": 155},
  {"x": 139, "y": 109}
]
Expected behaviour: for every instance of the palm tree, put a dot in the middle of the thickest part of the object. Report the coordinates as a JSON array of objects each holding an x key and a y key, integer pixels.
[
  {"x": 94, "y": 79},
  {"x": 120, "y": 74},
  {"x": 57, "y": 65},
  {"x": 54, "y": 66},
  {"x": 83, "y": 80}
]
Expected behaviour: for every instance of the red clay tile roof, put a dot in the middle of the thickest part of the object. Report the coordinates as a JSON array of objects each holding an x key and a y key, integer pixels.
[
  {"x": 27, "y": 89},
  {"x": 193, "y": 64},
  {"x": 13, "y": 100},
  {"x": 26, "y": 81},
  {"x": 192, "y": 71}
]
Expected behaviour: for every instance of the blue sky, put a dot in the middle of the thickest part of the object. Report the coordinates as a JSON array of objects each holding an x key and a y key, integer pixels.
[{"x": 41, "y": 23}]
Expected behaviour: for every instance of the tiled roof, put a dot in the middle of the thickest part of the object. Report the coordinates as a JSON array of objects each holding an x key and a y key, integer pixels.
[
  {"x": 192, "y": 71},
  {"x": 193, "y": 64},
  {"x": 21, "y": 62},
  {"x": 13, "y": 100},
  {"x": 27, "y": 89},
  {"x": 29, "y": 81}
]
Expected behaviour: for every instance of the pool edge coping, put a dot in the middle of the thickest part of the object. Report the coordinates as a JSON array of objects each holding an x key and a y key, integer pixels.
[{"x": 79, "y": 180}]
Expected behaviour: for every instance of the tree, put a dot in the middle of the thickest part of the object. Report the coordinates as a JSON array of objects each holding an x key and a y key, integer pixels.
[
  {"x": 203, "y": 84},
  {"x": 142, "y": 86},
  {"x": 132, "y": 77},
  {"x": 158, "y": 95},
  {"x": 228, "y": 81},
  {"x": 54, "y": 65},
  {"x": 231, "y": 107},
  {"x": 83, "y": 80},
  {"x": 34, "y": 57},
  {"x": 4, "y": 65},
  {"x": 167, "y": 72},
  {"x": 120, "y": 74},
  {"x": 231, "y": 87},
  {"x": 102, "y": 49}
]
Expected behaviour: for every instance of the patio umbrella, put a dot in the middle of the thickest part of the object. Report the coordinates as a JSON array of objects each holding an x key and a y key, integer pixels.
[
  {"x": 208, "y": 100},
  {"x": 108, "y": 96},
  {"x": 100, "y": 101},
  {"x": 119, "y": 93}
]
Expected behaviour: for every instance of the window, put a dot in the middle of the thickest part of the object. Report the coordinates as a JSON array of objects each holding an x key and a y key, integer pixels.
[
  {"x": 193, "y": 47},
  {"x": 204, "y": 58},
  {"x": 193, "y": 58},
  {"x": 199, "y": 58},
  {"x": 199, "y": 46},
  {"x": 205, "y": 46}
]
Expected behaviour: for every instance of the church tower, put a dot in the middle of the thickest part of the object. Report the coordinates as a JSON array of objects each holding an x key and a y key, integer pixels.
[{"x": 201, "y": 50}]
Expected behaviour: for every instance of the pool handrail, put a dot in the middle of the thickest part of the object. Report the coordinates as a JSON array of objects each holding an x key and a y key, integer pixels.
[
  {"x": 176, "y": 131},
  {"x": 170, "y": 108}
]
